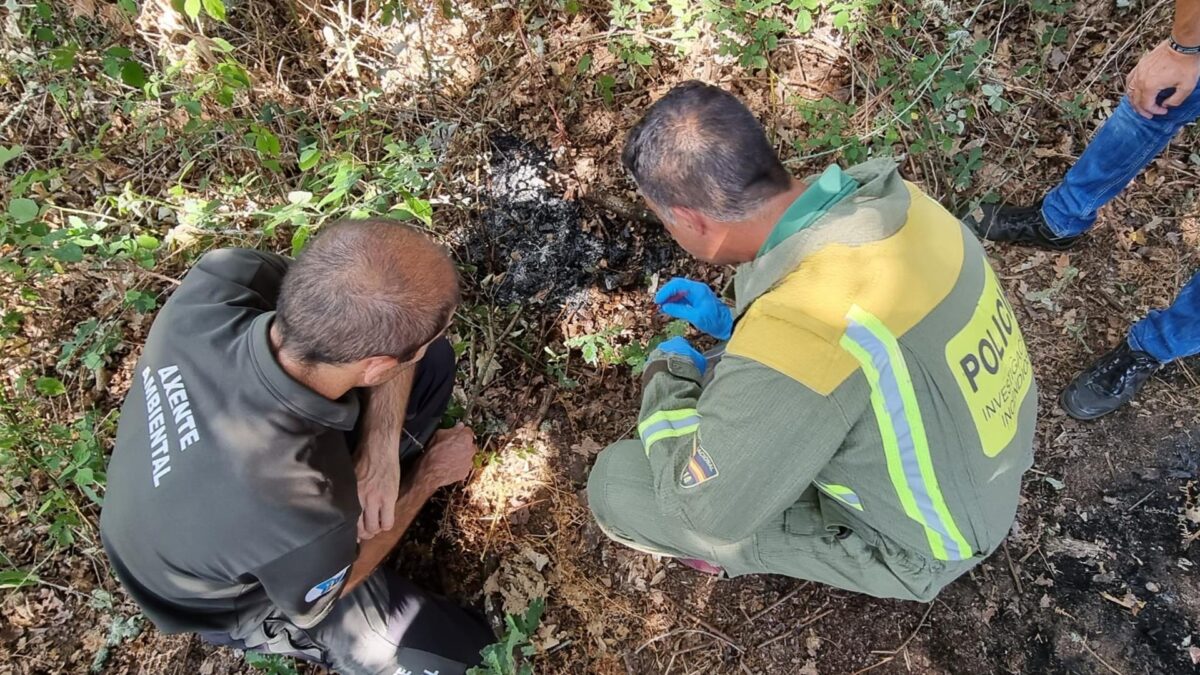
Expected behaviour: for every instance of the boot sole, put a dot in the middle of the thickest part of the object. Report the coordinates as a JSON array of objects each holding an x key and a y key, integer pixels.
[{"x": 1082, "y": 417}]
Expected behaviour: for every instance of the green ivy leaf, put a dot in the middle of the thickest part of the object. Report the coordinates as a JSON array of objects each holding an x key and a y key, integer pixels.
[
  {"x": 132, "y": 74},
  {"x": 63, "y": 58},
  {"x": 804, "y": 22},
  {"x": 222, "y": 45},
  {"x": 141, "y": 301},
  {"x": 69, "y": 252},
  {"x": 419, "y": 208},
  {"x": 299, "y": 239},
  {"x": 50, "y": 386},
  {"x": 267, "y": 143},
  {"x": 147, "y": 242},
  {"x": 23, "y": 210},
  {"x": 215, "y": 9},
  {"x": 605, "y": 85},
  {"x": 192, "y": 9},
  {"x": 585, "y": 63},
  {"x": 18, "y": 579},
  {"x": 8, "y": 154},
  {"x": 309, "y": 157}
]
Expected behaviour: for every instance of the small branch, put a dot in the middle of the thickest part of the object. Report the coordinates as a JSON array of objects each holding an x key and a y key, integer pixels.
[
  {"x": 1141, "y": 501},
  {"x": 791, "y": 594},
  {"x": 892, "y": 655},
  {"x": 1086, "y": 648},
  {"x": 620, "y": 208},
  {"x": 1013, "y": 570}
]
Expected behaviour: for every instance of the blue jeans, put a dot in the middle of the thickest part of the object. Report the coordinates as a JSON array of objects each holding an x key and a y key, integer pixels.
[{"x": 1121, "y": 149}]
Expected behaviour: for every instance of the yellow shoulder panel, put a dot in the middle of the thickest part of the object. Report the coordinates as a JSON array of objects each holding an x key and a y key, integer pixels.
[{"x": 795, "y": 328}]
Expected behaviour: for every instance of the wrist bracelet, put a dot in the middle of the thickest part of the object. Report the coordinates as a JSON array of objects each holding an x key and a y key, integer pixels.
[{"x": 1184, "y": 50}]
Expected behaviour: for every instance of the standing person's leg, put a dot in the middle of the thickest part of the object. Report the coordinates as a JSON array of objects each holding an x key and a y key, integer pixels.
[
  {"x": 1118, "y": 153},
  {"x": 1125, "y": 144},
  {"x": 1174, "y": 332},
  {"x": 1161, "y": 337}
]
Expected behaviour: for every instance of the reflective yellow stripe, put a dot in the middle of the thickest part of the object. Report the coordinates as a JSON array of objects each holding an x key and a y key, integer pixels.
[
  {"x": 841, "y": 493},
  {"x": 668, "y": 424},
  {"x": 905, "y": 445}
]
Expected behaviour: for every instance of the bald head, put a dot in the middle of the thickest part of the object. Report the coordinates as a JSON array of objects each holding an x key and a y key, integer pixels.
[
  {"x": 700, "y": 148},
  {"x": 365, "y": 288}
]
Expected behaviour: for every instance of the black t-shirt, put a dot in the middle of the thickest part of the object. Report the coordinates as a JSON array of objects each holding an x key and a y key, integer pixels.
[{"x": 231, "y": 491}]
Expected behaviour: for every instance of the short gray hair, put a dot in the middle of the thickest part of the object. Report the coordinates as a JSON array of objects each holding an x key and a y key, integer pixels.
[
  {"x": 701, "y": 148},
  {"x": 365, "y": 288}
]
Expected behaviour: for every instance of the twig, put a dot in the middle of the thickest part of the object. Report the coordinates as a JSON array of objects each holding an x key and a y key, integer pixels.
[
  {"x": 792, "y": 593},
  {"x": 891, "y": 656},
  {"x": 717, "y": 632},
  {"x": 1013, "y": 570},
  {"x": 792, "y": 631},
  {"x": 1086, "y": 648},
  {"x": 711, "y": 632},
  {"x": 620, "y": 208},
  {"x": 1140, "y": 501}
]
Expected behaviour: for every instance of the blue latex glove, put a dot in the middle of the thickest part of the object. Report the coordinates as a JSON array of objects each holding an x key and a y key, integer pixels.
[
  {"x": 696, "y": 303},
  {"x": 679, "y": 345}
]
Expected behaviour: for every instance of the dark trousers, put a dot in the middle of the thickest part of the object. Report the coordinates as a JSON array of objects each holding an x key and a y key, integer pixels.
[
  {"x": 388, "y": 626},
  {"x": 431, "y": 389}
]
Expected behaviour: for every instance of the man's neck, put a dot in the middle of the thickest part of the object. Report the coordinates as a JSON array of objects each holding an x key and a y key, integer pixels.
[
  {"x": 320, "y": 378},
  {"x": 753, "y": 232}
]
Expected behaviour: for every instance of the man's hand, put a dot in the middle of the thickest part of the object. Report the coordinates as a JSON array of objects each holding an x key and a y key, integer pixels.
[
  {"x": 697, "y": 304},
  {"x": 679, "y": 345},
  {"x": 1160, "y": 69},
  {"x": 378, "y": 476},
  {"x": 449, "y": 457}
]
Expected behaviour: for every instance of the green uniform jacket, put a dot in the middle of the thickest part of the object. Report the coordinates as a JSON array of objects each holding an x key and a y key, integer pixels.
[{"x": 876, "y": 358}]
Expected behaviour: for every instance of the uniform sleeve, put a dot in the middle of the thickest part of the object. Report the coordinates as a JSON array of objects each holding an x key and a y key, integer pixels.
[
  {"x": 239, "y": 276},
  {"x": 306, "y": 582},
  {"x": 728, "y": 457}
]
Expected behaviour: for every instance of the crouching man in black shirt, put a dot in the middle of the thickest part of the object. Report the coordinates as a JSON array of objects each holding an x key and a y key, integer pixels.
[{"x": 256, "y": 483}]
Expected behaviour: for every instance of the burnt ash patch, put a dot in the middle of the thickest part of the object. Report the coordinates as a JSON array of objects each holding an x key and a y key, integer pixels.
[
  {"x": 532, "y": 246},
  {"x": 1138, "y": 530}
]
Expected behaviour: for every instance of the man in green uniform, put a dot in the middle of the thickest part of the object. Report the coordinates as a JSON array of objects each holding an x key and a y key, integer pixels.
[
  {"x": 235, "y": 507},
  {"x": 871, "y": 414}
]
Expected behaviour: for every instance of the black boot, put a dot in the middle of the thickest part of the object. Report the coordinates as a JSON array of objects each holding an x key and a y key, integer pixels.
[
  {"x": 1109, "y": 384},
  {"x": 1018, "y": 225}
]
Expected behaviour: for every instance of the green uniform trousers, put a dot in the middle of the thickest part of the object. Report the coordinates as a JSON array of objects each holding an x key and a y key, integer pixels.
[{"x": 801, "y": 542}]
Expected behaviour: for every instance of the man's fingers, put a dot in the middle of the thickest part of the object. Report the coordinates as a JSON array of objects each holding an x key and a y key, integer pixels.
[
  {"x": 677, "y": 310},
  {"x": 1178, "y": 97},
  {"x": 1141, "y": 103},
  {"x": 388, "y": 520},
  {"x": 672, "y": 290}
]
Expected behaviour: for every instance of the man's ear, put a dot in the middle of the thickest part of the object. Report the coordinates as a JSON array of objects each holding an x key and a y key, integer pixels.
[
  {"x": 377, "y": 369},
  {"x": 690, "y": 219}
]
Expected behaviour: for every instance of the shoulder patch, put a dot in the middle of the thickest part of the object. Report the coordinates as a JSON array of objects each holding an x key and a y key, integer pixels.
[
  {"x": 700, "y": 468},
  {"x": 326, "y": 586}
]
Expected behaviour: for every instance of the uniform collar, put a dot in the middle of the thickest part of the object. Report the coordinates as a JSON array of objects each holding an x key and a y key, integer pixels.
[
  {"x": 877, "y": 209},
  {"x": 299, "y": 399},
  {"x": 822, "y": 193}
]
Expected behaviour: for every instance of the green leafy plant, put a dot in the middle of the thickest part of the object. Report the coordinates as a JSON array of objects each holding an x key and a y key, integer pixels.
[
  {"x": 272, "y": 664},
  {"x": 65, "y": 460},
  {"x": 601, "y": 348},
  {"x": 505, "y": 657}
]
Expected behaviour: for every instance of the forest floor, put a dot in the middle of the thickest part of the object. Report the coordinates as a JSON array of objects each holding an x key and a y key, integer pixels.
[{"x": 513, "y": 115}]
